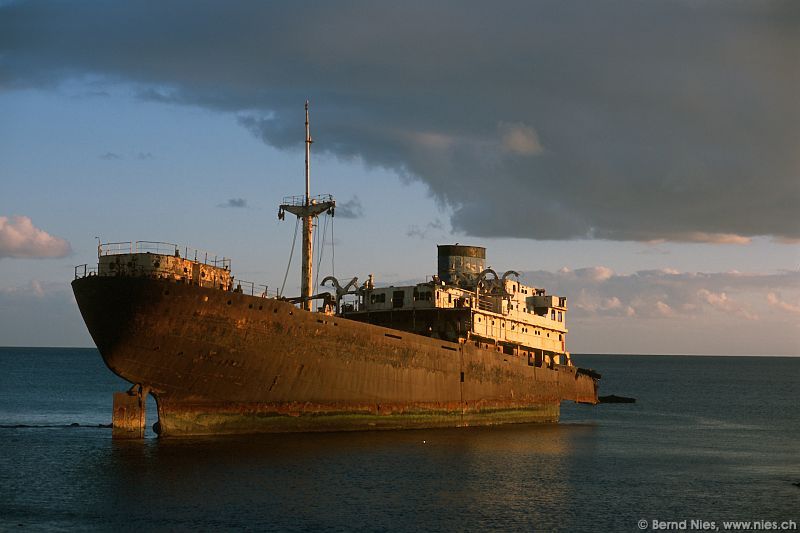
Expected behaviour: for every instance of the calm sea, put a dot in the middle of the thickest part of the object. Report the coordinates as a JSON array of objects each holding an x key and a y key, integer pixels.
[{"x": 709, "y": 438}]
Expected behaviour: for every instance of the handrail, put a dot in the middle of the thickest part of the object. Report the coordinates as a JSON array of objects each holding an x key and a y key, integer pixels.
[
  {"x": 301, "y": 200},
  {"x": 87, "y": 271},
  {"x": 241, "y": 286},
  {"x": 254, "y": 289},
  {"x": 163, "y": 248}
]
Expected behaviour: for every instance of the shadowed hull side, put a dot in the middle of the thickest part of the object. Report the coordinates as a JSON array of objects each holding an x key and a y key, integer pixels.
[{"x": 221, "y": 362}]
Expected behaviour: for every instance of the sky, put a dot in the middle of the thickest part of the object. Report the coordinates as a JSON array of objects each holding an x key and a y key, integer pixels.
[{"x": 641, "y": 158}]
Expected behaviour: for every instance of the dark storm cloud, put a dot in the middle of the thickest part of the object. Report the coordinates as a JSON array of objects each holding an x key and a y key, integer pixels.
[
  {"x": 351, "y": 208},
  {"x": 619, "y": 120},
  {"x": 424, "y": 231}
]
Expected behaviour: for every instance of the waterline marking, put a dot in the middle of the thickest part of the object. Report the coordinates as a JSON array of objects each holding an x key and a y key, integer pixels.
[{"x": 723, "y": 525}]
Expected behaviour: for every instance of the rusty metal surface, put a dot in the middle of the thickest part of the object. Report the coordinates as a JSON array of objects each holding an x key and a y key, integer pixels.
[
  {"x": 128, "y": 419},
  {"x": 221, "y": 362}
]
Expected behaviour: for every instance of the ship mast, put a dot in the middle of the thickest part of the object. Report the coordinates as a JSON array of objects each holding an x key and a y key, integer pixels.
[{"x": 307, "y": 209}]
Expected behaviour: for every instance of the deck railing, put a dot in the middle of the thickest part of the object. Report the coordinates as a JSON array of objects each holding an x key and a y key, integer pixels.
[
  {"x": 163, "y": 248},
  {"x": 301, "y": 200},
  {"x": 81, "y": 271},
  {"x": 254, "y": 289}
]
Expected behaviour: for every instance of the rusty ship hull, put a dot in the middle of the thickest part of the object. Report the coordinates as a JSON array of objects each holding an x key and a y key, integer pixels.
[{"x": 221, "y": 362}]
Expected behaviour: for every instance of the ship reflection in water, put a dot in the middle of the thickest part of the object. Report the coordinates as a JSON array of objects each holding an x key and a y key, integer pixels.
[{"x": 365, "y": 480}]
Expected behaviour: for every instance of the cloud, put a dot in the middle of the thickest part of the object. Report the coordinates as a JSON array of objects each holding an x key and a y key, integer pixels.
[
  {"x": 423, "y": 232},
  {"x": 19, "y": 238},
  {"x": 667, "y": 311},
  {"x": 775, "y": 301},
  {"x": 520, "y": 139},
  {"x": 113, "y": 156},
  {"x": 598, "y": 292},
  {"x": 617, "y": 120},
  {"x": 352, "y": 208},
  {"x": 713, "y": 238},
  {"x": 721, "y": 302},
  {"x": 235, "y": 203}
]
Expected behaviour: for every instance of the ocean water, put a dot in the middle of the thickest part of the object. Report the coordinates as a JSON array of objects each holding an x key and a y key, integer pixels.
[{"x": 710, "y": 438}]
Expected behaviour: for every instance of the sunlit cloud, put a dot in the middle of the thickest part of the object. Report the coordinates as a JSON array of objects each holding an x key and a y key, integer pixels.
[
  {"x": 519, "y": 139},
  {"x": 713, "y": 238},
  {"x": 775, "y": 301},
  {"x": 19, "y": 238},
  {"x": 678, "y": 312},
  {"x": 721, "y": 302}
]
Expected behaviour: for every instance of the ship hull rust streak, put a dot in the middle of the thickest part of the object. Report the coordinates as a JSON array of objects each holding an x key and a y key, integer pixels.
[{"x": 222, "y": 362}]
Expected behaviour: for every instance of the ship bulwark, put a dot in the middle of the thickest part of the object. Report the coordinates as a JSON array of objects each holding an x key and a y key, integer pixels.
[{"x": 224, "y": 362}]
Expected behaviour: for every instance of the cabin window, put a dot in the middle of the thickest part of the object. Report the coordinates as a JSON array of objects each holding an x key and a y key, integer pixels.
[
  {"x": 377, "y": 298},
  {"x": 421, "y": 295},
  {"x": 397, "y": 298}
]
